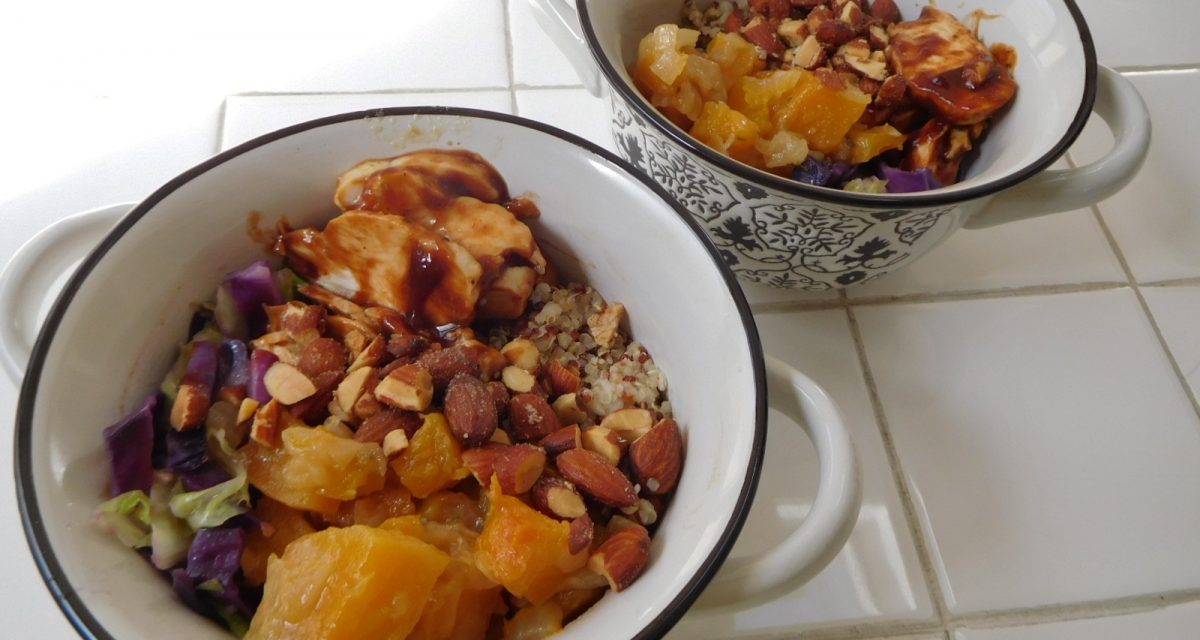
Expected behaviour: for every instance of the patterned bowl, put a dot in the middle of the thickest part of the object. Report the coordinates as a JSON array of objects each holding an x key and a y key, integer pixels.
[{"x": 776, "y": 231}]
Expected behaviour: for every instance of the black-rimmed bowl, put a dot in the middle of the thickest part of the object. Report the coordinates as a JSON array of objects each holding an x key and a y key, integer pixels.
[
  {"x": 115, "y": 329},
  {"x": 780, "y": 232}
]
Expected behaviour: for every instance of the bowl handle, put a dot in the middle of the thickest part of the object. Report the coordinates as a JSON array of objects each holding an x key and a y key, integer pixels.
[
  {"x": 743, "y": 582},
  {"x": 1121, "y": 106},
  {"x": 560, "y": 21},
  {"x": 27, "y": 281}
]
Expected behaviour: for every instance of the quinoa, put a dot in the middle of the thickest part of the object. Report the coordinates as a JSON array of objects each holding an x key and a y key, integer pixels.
[{"x": 621, "y": 375}]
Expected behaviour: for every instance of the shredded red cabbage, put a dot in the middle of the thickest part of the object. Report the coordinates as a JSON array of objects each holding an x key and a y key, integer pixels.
[
  {"x": 901, "y": 181},
  {"x": 251, "y": 289},
  {"x": 202, "y": 366},
  {"x": 234, "y": 366},
  {"x": 822, "y": 173},
  {"x": 130, "y": 445},
  {"x": 260, "y": 361}
]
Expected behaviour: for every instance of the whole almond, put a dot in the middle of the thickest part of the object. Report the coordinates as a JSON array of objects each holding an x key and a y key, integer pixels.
[
  {"x": 444, "y": 364},
  {"x": 470, "y": 410},
  {"x": 885, "y": 11},
  {"x": 593, "y": 475},
  {"x": 657, "y": 458},
  {"x": 403, "y": 345},
  {"x": 321, "y": 355},
  {"x": 531, "y": 418},
  {"x": 834, "y": 32},
  {"x": 622, "y": 557}
]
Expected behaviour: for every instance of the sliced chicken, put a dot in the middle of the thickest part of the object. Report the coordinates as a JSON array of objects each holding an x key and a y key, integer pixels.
[
  {"x": 419, "y": 179},
  {"x": 941, "y": 148},
  {"x": 948, "y": 69},
  {"x": 386, "y": 260}
]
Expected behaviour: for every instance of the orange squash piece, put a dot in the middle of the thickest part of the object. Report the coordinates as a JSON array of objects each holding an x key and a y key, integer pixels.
[
  {"x": 433, "y": 459},
  {"x": 727, "y": 131},
  {"x": 463, "y": 600},
  {"x": 867, "y": 143},
  {"x": 347, "y": 584},
  {"x": 459, "y": 608},
  {"x": 819, "y": 112},
  {"x": 754, "y": 96},
  {"x": 735, "y": 56},
  {"x": 315, "y": 470},
  {"x": 284, "y": 524},
  {"x": 524, "y": 550}
]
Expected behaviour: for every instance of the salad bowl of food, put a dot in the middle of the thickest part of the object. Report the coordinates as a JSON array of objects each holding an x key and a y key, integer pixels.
[
  {"x": 827, "y": 142},
  {"x": 406, "y": 373}
]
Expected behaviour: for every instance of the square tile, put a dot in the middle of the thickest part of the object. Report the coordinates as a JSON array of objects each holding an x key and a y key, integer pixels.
[
  {"x": 247, "y": 117},
  {"x": 1153, "y": 218},
  {"x": 1179, "y": 622},
  {"x": 1063, "y": 248},
  {"x": 1049, "y": 447},
  {"x": 575, "y": 110},
  {"x": 1139, "y": 34},
  {"x": 1176, "y": 309},
  {"x": 536, "y": 60},
  {"x": 148, "y": 48},
  {"x": 877, "y": 576}
]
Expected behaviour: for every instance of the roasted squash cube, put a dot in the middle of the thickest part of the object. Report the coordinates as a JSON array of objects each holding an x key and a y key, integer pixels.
[
  {"x": 345, "y": 584},
  {"x": 524, "y": 550},
  {"x": 819, "y": 112},
  {"x": 727, "y": 131},
  {"x": 314, "y": 469},
  {"x": 432, "y": 461}
]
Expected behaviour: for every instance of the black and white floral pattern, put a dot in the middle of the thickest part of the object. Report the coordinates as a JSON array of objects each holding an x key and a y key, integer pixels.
[{"x": 775, "y": 238}]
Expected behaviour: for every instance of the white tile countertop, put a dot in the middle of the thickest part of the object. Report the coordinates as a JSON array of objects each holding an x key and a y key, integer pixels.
[{"x": 1023, "y": 399}]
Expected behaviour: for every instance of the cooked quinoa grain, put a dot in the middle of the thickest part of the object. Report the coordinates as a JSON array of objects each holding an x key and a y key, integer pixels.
[{"x": 619, "y": 376}]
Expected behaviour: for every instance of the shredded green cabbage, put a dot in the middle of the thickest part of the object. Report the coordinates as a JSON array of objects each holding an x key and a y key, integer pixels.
[
  {"x": 211, "y": 507},
  {"x": 866, "y": 185},
  {"x": 170, "y": 537},
  {"x": 127, "y": 517}
]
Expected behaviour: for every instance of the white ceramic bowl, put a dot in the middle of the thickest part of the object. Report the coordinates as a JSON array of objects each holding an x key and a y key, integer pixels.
[
  {"x": 114, "y": 331},
  {"x": 783, "y": 233}
]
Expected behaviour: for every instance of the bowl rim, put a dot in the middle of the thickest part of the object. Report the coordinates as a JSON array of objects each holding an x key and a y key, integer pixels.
[
  {"x": 56, "y": 580},
  {"x": 937, "y": 197}
]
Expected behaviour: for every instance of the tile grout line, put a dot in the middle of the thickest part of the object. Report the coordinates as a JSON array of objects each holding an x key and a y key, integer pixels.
[
  {"x": 396, "y": 91},
  {"x": 893, "y": 630},
  {"x": 945, "y": 296},
  {"x": 1151, "y": 68},
  {"x": 994, "y": 619},
  {"x": 924, "y": 553},
  {"x": 1095, "y": 609},
  {"x": 548, "y": 87},
  {"x": 508, "y": 53},
  {"x": 1141, "y": 298}
]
